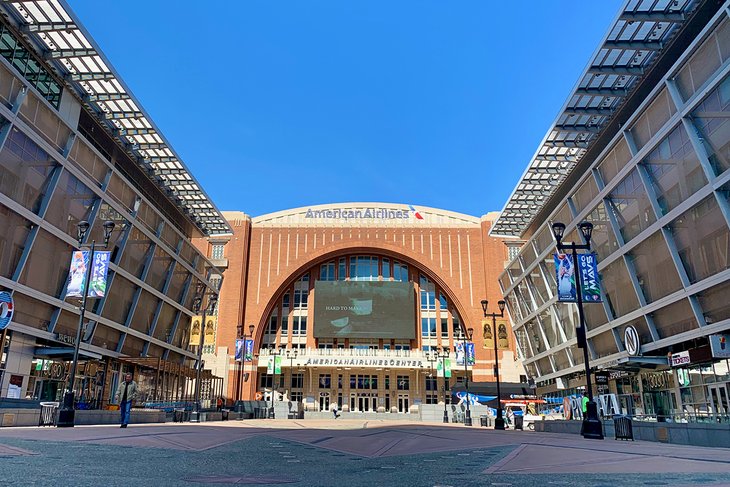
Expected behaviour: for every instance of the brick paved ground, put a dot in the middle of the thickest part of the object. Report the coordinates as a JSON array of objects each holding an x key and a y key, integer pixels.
[{"x": 342, "y": 454}]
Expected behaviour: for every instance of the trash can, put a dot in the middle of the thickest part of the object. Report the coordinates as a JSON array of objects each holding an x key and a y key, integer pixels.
[
  {"x": 484, "y": 421},
  {"x": 224, "y": 414},
  {"x": 623, "y": 427},
  {"x": 519, "y": 422},
  {"x": 48, "y": 414}
]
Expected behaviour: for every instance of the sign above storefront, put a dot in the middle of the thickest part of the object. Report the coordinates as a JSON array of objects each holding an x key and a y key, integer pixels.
[
  {"x": 631, "y": 341},
  {"x": 720, "y": 345},
  {"x": 679, "y": 359},
  {"x": 396, "y": 363}
]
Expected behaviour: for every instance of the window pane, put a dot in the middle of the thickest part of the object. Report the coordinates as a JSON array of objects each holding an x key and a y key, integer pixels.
[
  {"x": 614, "y": 161},
  {"x": 631, "y": 207},
  {"x": 712, "y": 119},
  {"x": 674, "y": 319},
  {"x": 655, "y": 268},
  {"x": 702, "y": 239},
  {"x": 619, "y": 290},
  {"x": 674, "y": 170}
]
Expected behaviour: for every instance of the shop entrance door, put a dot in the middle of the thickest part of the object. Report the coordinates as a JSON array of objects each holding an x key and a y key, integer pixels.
[
  {"x": 353, "y": 401},
  {"x": 403, "y": 403},
  {"x": 324, "y": 401},
  {"x": 720, "y": 400},
  {"x": 363, "y": 404}
]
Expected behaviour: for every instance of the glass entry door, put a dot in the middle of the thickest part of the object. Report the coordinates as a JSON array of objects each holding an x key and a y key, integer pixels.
[
  {"x": 324, "y": 401},
  {"x": 403, "y": 403},
  {"x": 720, "y": 401}
]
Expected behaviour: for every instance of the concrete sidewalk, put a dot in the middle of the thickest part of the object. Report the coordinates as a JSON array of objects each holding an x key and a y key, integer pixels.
[{"x": 482, "y": 453}]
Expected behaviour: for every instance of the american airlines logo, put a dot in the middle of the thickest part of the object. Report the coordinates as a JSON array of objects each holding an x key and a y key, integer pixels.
[{"x": 370, "y": 213}]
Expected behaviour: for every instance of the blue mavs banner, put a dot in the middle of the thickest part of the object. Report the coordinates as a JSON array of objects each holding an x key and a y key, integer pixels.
[
  {"x": 77, "y": 274},
  {"x": 565, "y": 276},
  {"x": 239, "y": 350},
  {"x": 588, "y": 268},
  {"x": 248, "y": 351}
]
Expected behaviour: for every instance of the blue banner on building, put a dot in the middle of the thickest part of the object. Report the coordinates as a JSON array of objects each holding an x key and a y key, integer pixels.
[
  {"x": 77, "y": 274},
  {"x": 239, "y": 350},
  {"x": 248, "y": 351},
  {"x": 565, "y": 276},
  {"x": 459, "y": 347}
]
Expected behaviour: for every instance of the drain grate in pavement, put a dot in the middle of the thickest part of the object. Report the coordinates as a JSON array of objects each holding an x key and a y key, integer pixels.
[{"x": 232, "y": 479}]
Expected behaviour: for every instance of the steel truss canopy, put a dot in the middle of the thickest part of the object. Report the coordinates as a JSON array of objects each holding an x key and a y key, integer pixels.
[
  {"x": 69, "y": 49},
  {"x": 627, "y": 52}
]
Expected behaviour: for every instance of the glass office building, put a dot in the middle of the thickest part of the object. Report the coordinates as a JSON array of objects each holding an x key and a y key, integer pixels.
[
  {"x": 75, "y": 145},
  {"x": 641, "y": 149}
]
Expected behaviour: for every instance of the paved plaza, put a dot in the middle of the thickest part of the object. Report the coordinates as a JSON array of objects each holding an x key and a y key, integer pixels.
[{"x": 343, "y": 454}]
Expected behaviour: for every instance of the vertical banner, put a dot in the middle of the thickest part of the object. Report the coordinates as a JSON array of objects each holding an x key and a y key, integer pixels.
[
  {"x": 97, "y": 286},
  {"x": 274, "y": 365},
  {"x": 502, "y": 335},
  {"x": 588, "y": 267},
  {"x": 77, "y": 274},
  {"x": 195, "y": 329},
  {"x": 211, "y": 323},
  {"x": 238, "y": 356},
  {"x": 443, "y": 368},
  {"x": 470, "y": 358},
  {"x": 248, "y": 351},
  {"x": 488, "y": 334},
  {"x": 565, "y": 276},
  {"x": 459, "y": 348}
]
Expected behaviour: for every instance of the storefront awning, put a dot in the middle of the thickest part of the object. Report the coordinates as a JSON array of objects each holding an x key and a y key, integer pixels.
[{"x": 65, "y": 353}]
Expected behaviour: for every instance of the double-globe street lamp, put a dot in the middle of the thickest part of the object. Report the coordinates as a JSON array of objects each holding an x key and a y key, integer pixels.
[
  {"x": 273, "y": 354},
  {"x": 443, "y": 355},
  {"x": 591, "y": 427},
  {"x": 242, "y": 362},
  {"x": 200, "y": 294},
  {"x": 499, "y": 420},
  {"x": 67, "y": 413},
  {"x": 467, "y": 339}
]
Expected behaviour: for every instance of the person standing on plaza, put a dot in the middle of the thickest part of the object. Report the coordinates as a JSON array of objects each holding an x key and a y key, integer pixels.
[
  {"x": 334, "y": 409},
  {"x": 584, "y": 404},
  {"x": 126, "y": 393}
]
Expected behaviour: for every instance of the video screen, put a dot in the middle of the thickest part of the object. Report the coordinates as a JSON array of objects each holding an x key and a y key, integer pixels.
[{"x": 364, "y": 309}]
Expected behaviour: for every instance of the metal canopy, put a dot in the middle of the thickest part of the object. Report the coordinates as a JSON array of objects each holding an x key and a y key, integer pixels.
[
  {"x": 632, "y": 45},
  {"x": 71, "y": 51}
]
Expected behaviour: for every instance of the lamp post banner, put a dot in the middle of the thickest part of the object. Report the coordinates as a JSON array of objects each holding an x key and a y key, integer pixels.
[
  {"x": 443, "y": 368},
  {"x": 274, "y": 365},
  {"x": 6, "y": 309},
  {"x": 565, "y": 277},
  {"x": 248, "y": 351},
  {"x": 588, "y": 267},
  {"x": 239, "y": 350},
  {"x": 77, "y": 274}
]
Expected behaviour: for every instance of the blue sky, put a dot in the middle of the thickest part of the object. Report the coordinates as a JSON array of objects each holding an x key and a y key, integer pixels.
[{"x": 281, "y": 104}]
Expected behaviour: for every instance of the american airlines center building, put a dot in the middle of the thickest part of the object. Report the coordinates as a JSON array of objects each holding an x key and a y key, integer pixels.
[{"x": 361, "y": 304}]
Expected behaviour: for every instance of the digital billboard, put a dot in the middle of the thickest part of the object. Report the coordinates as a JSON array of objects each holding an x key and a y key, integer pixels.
[{"x": 364, "y": 309}]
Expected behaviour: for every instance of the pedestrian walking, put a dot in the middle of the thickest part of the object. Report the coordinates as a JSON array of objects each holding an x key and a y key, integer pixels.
[
  {"x": 126, "y": 393},
  {"x": 334, "y": 410}
]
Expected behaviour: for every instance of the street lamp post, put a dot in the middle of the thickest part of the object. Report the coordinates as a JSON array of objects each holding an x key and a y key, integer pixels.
[
  {"x": 467, "y": 338},
  {"x": 592, "y": 426},
  {"x": 208, "y": 308},
  {"x": 443, "y": 355},
  {"x": 67, "y": 413},
  {"x": 499, "y": 420},
  {"x": 291, "y": 354},
  {"x": 242, "y": 363},
  {"x": 273, "y": 353}
]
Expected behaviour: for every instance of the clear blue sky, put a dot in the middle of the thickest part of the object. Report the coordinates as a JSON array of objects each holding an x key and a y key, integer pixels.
[{"x": 281, "y": 104}]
